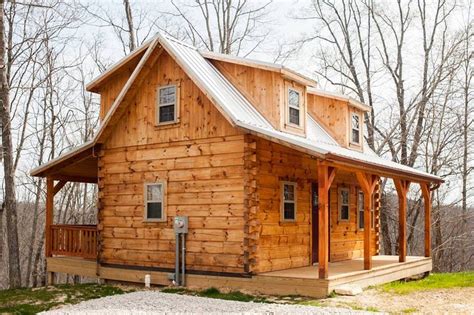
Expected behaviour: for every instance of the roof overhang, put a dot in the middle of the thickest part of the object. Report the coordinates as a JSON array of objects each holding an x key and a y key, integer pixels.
[
  {"x": 77, "y": 165},
  {"x": 353, "y": 102},
  {"x": 274, "y": 67},
  {"x": 381, "y": 170},
  {"x": 94, "y": 85}
]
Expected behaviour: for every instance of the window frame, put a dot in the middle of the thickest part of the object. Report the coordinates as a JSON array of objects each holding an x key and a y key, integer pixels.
[
  {"x": 355, "y": 114},
  {"x": 158, "y": 105},
  {"x": 340, "y": 204},
  {"x": 146, "y": 202},
  {"x": 289, "y": 106},
  {"x": 283, "y": 201},
  {"x": 372, "y": 211}
]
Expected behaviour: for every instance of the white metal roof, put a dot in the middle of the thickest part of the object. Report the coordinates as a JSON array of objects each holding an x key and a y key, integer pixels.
[
  {"x": 244, "y": 114},
  {"x": 213, "y": 83},
  {"x": 240, "y": 112}
]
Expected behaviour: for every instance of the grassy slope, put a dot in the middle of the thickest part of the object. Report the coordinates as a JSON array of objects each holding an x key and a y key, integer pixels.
[
  {"x": 432, "y": 282},
  {"x": 32, "y": 301}
]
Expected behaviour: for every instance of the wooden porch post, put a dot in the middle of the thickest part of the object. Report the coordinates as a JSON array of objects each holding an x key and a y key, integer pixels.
[
  {"x": 367, "y": 183},
  {"x": 402, "y": 190},
  {"x": 425, "y": 189},
  {"x": 49, "y": 214},
  {"x": 326, "y": 175},
  {"x": 51, "y": 190}
]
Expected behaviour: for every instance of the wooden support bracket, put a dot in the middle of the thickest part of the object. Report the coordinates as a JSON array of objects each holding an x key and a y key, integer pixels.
[{"x": 368, "y": 182}]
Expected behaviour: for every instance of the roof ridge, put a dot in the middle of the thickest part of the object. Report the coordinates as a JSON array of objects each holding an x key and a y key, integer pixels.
[{"x": 174, "y": 39}]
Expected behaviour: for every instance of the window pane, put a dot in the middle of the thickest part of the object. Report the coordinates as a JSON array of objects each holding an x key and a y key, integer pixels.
[
  {"x": 361, "y": 219},
  {"x": 355, "y": 122},
  {"x": 154, "y": 210},
  {"x": 345, "y": 197},
  {"x": 361, "y": 200},
  {"x": 294, "y": 116},
  {"x": 154, "y": 192},
  {"x": 344, "y": 212},
  {"x": 289, "y": 192},
  {"x": 355, "y": 136},
  {"x": 293, "y": 98},
  {"x": 168, "y": 95},
  {"x": 289, "y": 211},
  {"x": 167, "y": 113}
]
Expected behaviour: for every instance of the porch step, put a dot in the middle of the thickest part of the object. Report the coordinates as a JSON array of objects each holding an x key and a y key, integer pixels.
[{"x": 348, "y": 289}]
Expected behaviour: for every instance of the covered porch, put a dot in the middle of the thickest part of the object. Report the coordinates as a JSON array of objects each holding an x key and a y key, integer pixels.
[
  {"x": 78, "y": 241},
  {"x": 368, "y": 178}
]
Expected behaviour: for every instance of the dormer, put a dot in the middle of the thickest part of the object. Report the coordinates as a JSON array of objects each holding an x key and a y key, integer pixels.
[
  {"x": 278, "y": 93},
  {"x": 341, "y": 116}
]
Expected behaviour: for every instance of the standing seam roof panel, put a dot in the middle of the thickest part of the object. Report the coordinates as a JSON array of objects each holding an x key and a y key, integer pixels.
[{"x": 225, "y": 94}]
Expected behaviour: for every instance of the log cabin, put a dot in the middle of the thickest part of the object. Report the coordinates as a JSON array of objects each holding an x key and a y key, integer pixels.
[{"x": 279, "y": 188}]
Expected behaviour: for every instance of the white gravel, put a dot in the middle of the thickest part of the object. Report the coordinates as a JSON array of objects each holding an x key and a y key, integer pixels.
[{"x": 154, "y": 302}]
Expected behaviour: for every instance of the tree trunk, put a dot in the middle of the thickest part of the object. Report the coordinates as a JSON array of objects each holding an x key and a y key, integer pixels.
[
  {"x": 14, "y": 274},
  {"x": 36, "y": 262},
  {"x": 131, "y": 31}
]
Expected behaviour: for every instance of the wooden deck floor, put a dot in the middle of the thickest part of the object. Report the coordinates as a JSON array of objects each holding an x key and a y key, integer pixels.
[
  {"x": 345, "y": 268},
  {"x": 297, "y": 281}
]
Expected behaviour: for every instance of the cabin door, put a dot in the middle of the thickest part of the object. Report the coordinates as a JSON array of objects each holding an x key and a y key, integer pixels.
[{"x": 315, "y": 222}]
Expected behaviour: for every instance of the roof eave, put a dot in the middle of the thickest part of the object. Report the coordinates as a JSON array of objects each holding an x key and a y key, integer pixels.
[
  {"x": 94, "y": 85},
  {"x": 40, "y": 170},
  {"x": 387, "y": 170},
  {"x": 353, "y": 102}
]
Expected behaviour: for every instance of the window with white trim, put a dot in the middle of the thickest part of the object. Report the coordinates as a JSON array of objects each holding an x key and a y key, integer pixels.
[
  {"x": 166, "y": 107},
  {"x": 288, "y": 207},
  {"x": 293, "y": 107},
  {"x": 355, "y": 128},
  {"x": 154, "y": 202},
  {"x": 360, "y": 211},
  {"x": 344, "y": 194}
]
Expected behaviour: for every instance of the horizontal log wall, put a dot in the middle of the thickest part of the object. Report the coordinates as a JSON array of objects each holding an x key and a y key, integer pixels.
[
  {"x": 202, "y": 160},
  {"x": 282, "y": 245},
  {"x": 347, "y": 241}
]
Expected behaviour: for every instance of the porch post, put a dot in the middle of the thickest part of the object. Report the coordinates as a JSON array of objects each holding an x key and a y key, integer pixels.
[
  {"x": 49, "y": 214},
  {"x": 402, "y": 189},
  {"x": 326, "y": 175},
  {"x": 367, "y": 183},
  {"x": 425, "y": 189}
]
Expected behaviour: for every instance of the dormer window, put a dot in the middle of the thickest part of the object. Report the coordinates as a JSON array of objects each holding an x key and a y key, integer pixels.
[
  {"x": 355, "y": 128},
  {"x": 293, "y": 107},
  {"x": 167, "y": 105}
]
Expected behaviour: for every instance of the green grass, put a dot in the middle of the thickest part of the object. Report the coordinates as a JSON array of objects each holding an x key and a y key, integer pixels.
[
  {"x": 233, "y": 296},
  {"x": 32, "y": 301},
  {"x": 410, "y": 310},
  {"x": 432, "y": 282}
]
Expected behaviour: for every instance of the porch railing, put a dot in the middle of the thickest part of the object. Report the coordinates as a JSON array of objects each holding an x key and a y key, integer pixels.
[{"x": 74, "y": 240}]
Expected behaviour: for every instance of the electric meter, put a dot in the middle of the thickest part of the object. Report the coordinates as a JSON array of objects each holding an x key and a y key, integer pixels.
[{"x": 180, "y": 225}]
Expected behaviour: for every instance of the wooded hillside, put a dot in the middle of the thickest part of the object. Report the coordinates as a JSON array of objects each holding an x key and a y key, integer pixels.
[{"x": 410, "y": 61}]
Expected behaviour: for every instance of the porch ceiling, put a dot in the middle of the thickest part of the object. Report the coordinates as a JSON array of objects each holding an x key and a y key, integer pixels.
[{"x": 77, "y": 165}]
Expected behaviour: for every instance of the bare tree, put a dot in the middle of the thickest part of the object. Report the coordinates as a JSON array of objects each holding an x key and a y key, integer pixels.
[
  {"x": 226, "y": 26},
  {"x": 10, "y": 204}
]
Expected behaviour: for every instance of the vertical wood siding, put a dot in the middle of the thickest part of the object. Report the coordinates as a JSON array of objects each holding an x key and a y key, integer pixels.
[{"x": 202, "y": 160}]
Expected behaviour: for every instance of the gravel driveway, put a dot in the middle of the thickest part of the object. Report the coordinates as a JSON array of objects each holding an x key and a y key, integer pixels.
[{"x": 148, "y": 302}]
